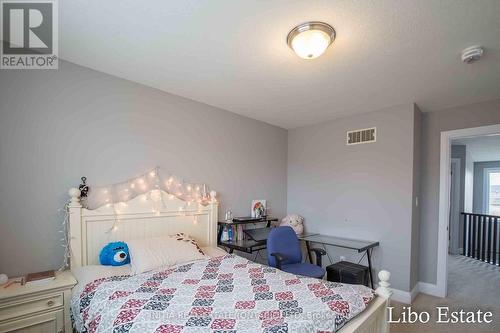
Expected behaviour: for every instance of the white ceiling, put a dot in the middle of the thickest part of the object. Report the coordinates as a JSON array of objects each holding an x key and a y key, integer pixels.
[
  {"x": 482, "y": 149},
  {"x": 233, "y": 54}
]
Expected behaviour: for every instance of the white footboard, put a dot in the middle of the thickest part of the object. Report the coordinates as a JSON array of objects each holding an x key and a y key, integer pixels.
[{"x": 374, "y": 318}]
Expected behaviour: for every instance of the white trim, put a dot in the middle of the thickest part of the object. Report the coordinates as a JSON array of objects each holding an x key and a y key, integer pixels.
[
  {"x": 407, "y": 297},
  {"x": 444, "y": 198},
  {"x": 414, "y": 292},
  {"x": 403, "y": 296},
  {"x": 427, "y": 288},
  {"x": 455, "y": 234}
]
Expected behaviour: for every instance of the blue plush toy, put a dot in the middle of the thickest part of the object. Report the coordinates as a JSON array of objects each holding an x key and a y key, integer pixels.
[{"x": 114, "y": 254}]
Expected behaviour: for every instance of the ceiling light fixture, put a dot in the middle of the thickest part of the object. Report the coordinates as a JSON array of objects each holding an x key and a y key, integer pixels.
[{"x": 311, "y": 39}]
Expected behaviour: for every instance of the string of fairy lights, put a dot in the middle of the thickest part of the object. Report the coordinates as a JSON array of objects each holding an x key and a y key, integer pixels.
[
  {"x": 143, "y": 184},
  {"x": 149, "y": 186}
]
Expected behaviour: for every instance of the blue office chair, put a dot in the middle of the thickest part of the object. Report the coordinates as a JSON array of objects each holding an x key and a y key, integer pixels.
[{"x": 284, "y": 253}]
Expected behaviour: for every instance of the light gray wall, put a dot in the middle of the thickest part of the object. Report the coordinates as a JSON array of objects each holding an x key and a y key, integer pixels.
[
  {"x": 478, "y": 198},
  {"x": 362, "y": 191},
  {"x": 433, "y": 123},
  {"x": 58, "y": 125}
]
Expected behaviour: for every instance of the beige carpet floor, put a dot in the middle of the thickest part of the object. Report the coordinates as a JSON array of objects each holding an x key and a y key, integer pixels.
[{"x": 472, "y": 285}]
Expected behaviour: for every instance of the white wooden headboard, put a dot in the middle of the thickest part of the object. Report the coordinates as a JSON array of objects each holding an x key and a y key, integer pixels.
[{"x": 155, "y": 213}]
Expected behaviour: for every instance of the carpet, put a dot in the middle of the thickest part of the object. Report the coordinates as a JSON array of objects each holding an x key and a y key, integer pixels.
[{"x": 472, "y": 285}]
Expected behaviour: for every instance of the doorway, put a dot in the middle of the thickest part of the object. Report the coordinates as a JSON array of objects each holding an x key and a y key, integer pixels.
[{"x": 445, "y": 195}]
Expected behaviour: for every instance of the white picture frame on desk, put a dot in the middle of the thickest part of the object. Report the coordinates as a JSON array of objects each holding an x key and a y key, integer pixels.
[{"x": 258, "y": 205}]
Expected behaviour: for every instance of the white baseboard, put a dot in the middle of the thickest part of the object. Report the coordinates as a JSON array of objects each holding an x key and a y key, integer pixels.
[
  {"x": 414, "y": 292},
  {"x": 428, "y": 288},
  {"x": 407, "y": 297}
]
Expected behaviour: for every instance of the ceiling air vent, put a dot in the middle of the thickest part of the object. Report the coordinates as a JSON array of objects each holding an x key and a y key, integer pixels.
[{"x": 366, "y": 135}]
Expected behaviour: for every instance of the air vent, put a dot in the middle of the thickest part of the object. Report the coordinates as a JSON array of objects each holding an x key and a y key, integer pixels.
[{"x": 366, "y": 135}]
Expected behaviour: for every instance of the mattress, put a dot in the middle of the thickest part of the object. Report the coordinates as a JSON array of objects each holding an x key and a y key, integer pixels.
[{"x": 220, "y": 294}]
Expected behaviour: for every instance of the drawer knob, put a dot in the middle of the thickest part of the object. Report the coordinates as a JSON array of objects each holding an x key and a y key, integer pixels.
[{"x": 50, "y": 303}]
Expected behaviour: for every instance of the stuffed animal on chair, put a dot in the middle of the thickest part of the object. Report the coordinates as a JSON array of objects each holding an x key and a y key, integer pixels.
[
  {"x": 295, "y": 221},
  {"x": 115, "y": 254}
]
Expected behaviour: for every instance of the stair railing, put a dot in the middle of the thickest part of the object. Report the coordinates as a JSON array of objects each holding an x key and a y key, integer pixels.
[{"x": 481, "y": 238}]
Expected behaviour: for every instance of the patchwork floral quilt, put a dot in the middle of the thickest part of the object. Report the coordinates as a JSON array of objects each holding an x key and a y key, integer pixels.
[{"x": 223, "y": 294}]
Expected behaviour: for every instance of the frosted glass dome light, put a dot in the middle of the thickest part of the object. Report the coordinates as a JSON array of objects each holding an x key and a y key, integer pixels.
[{"x": 311, "y": 39}]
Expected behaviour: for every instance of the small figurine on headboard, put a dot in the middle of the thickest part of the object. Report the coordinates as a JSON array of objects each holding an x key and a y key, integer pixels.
[{"x": 84, "y": 188}]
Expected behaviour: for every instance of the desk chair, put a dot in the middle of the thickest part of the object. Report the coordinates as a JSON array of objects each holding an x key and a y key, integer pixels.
[{"x": 284, "y": 253}]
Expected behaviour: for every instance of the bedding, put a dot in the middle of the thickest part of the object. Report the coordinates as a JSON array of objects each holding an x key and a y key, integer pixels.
[
  {"x": 151, "y": 253},
  {"x": 89, "y": 273},
  {"x": 221, "y": 294}
]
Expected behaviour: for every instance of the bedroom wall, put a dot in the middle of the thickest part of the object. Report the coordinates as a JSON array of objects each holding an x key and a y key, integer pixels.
[
  {"x": 59, "y": 125},
  {"x": 433, "y": 123},
  {"x": 363, "y": 191}
]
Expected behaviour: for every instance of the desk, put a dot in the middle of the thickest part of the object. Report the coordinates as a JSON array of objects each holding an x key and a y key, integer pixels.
[
  {"x": 244, "y": 245},
  {"x": 346, "y": 243}
]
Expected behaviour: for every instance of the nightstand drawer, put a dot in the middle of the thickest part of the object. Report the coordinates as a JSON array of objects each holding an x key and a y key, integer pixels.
[
  {"x": 49, "y": 322},
  {"x": 26, "y": 306}
]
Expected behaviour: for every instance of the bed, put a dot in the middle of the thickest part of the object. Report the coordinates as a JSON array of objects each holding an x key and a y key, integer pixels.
[{"x": 221, "y": 293}]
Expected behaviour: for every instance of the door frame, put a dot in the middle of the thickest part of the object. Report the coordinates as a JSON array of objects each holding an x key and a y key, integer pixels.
[
  {"x": 458, "y": 186},
  {"x": 444, "y": 198}
]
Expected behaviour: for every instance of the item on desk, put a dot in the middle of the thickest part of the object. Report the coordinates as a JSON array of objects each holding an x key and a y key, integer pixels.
[
  {"x": 229, "y": 216},
  {"x": 240, "y": 234},
  {"x": 225, "y": 235},
  {"x": 230, "y": 233},
  {"x": 258, "y": 208},
  {"x": 246, "y": 219},
  {"x": 295, "y": 221},
  {"x": 3, "y": 278},
  {"x": 40, "y": 277}
]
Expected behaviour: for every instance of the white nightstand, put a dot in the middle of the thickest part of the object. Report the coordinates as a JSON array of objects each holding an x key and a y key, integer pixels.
[{"x": 37, "y": 308}]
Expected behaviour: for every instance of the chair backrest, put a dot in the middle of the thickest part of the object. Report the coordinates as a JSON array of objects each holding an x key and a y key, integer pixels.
[{"x": 283, "y": 240}]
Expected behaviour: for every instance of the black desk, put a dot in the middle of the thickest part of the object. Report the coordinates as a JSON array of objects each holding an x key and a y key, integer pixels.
[
  {"x": 244, "y": 245},
  {"x": 346, "y": 243}
]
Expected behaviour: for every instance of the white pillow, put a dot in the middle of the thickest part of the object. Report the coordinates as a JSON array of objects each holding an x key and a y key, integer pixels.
[
  {"x": 150, "y": 253},
  {"x": 213, "y": 252},
  {"x": 87, "y": 274}
]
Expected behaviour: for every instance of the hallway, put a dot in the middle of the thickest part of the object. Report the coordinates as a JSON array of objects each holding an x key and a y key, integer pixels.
[
  {"x": 473, "y": 281},
  {"x": 472, "y": 285}
]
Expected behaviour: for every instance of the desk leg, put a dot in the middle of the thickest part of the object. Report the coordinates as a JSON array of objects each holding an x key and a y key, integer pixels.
[
  {"x": 369, "y": 257},
  {"x": 309, "y": 252}
]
